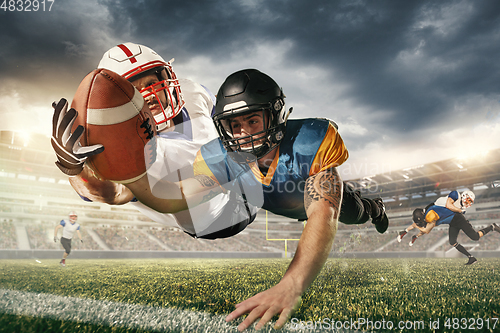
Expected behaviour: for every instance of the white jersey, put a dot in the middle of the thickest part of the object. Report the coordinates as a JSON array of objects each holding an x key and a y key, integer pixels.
[
  {"x": 69, "y": 228},
  {"x": 455, "y": 196},
  {"x": 176, "y": 152}
]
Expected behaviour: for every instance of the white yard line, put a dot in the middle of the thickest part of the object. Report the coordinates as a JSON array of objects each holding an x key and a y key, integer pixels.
[{"x": 115, "y": 314}]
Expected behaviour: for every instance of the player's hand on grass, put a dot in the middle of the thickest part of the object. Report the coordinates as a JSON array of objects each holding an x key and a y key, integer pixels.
[
  {"x": 281, "y": 299},
  {"x": 70, "y": 153}
]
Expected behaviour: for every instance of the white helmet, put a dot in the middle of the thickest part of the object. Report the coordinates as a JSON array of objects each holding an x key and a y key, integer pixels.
[
  {"x": 133, "y": 61},
  {"x": 467, "y": 197}
]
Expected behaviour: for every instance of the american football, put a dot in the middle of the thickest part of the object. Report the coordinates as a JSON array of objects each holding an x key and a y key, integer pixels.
[{"x": 115, "y": 115}]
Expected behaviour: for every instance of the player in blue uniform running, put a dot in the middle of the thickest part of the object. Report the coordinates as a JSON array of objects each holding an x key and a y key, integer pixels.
[
  {"x": 448, "y": 210},
  {"x": 69, "y": 229}
]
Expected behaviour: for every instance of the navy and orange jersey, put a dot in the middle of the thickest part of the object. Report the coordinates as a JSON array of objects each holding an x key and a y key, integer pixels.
[
  {"x": 439, "y": 215},
  {"x": 310, "y": 146}
]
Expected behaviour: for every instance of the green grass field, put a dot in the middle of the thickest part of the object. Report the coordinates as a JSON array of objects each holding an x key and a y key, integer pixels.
[{"x": 185, "y": 295}]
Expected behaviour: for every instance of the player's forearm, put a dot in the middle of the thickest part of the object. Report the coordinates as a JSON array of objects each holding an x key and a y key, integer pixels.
[
  {"x": 427, "y": 229},
  {"x": 312, "y": 252},
  {"x": 199, "y": 189},
  {"x": 422, "y": 231},
  {"x": 454, "y": 209},
  {"x": 322, "y": 201},
  {"x": 450, "y": 204},
  {"x": 90, "y": 186},
  {"x": 165, "y": 197}
]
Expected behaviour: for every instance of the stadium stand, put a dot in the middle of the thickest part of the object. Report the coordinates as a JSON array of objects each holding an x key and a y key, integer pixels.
[{"x": 35, "y": 196}]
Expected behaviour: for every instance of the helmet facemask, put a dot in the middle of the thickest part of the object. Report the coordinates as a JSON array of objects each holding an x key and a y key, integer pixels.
[
  {"x": 133, "y": 62},
  {"x": 73, "y": 217},
  {"x": 166, "y": 93},
  {"x": 255, "y": 145},
  {"x": 467, "y": 199}
]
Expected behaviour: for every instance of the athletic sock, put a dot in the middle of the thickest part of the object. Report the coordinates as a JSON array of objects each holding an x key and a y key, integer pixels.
[
  {"x": 462, "y": 250},
  {"x": 486, "y": 230}
]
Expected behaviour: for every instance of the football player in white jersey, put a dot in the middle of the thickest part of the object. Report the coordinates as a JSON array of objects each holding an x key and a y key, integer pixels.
[
  {"x": 182, "y": 112},
  {"x": 69, "y": 229}
]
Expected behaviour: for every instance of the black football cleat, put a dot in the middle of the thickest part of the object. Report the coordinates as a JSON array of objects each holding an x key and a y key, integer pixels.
[
  {"x": 471, "y": 261},
  {"x": 496, "y": 227},
  {"x": 381, "y": 222}
]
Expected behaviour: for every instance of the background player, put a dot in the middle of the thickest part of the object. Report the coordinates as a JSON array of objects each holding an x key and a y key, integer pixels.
[
  {"x": 450, "y": 210},
  {"x": 69, "y": 228},
  {"x": 182, "y": 111},
  {"x": 286, "y": 167},
  {"x": 450, "y": 202}
]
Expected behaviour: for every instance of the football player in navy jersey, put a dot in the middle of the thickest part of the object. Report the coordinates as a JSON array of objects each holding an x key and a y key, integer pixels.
[
  {"x": 287, "y": 167},
  {"x": 69, "y": 229},
  {"x": 294, "y": 162},
  {"x": 449, "y": 210}
]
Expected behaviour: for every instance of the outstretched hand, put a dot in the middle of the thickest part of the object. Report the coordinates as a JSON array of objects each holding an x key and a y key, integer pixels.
[
  {"x": 70, "y": 154},
  {"x": 282, "y": 299}
]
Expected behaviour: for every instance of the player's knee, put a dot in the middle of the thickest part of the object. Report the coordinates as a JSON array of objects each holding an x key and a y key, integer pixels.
[
  {"x": 475, "y": 237},
  {"x": 453, "y": 243}
]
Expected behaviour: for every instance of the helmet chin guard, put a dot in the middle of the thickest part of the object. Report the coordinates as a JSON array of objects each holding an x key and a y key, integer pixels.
[{"x": 134, "y": 61}]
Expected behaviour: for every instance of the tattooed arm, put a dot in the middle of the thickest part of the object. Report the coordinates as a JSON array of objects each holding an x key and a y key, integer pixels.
[{"x": 322, "y": 199}]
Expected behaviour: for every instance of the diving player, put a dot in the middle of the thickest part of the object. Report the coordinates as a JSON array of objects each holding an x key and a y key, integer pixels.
[
  {"x": 450, "y": 210},
  {"x": 182, "y": 112},
  {"x": 286, "y": 167},
  {"x": 294, "y": 162},
  {"x": 69, "y": 229}
]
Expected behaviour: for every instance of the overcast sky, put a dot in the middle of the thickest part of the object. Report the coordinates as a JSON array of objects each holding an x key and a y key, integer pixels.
[{"x": 408, "y": 82}]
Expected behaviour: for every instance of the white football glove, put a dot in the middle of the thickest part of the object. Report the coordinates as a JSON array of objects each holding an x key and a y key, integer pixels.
[{"x": 70, "y": 154}]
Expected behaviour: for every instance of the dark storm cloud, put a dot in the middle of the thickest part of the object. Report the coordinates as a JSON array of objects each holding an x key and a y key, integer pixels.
[
  {"x": 391, "y": 73},
  {"x": 46, "y": 53},
  {"x": 364, "y": 42},
  {"x": 30, "y": 42}
]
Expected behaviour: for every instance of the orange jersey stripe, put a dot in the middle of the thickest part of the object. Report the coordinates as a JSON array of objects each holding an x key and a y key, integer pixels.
[
  {"x": 331, "y": 153},
  {"x": 431, "y": 216},
  {"x": 200, "y": 167}
]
